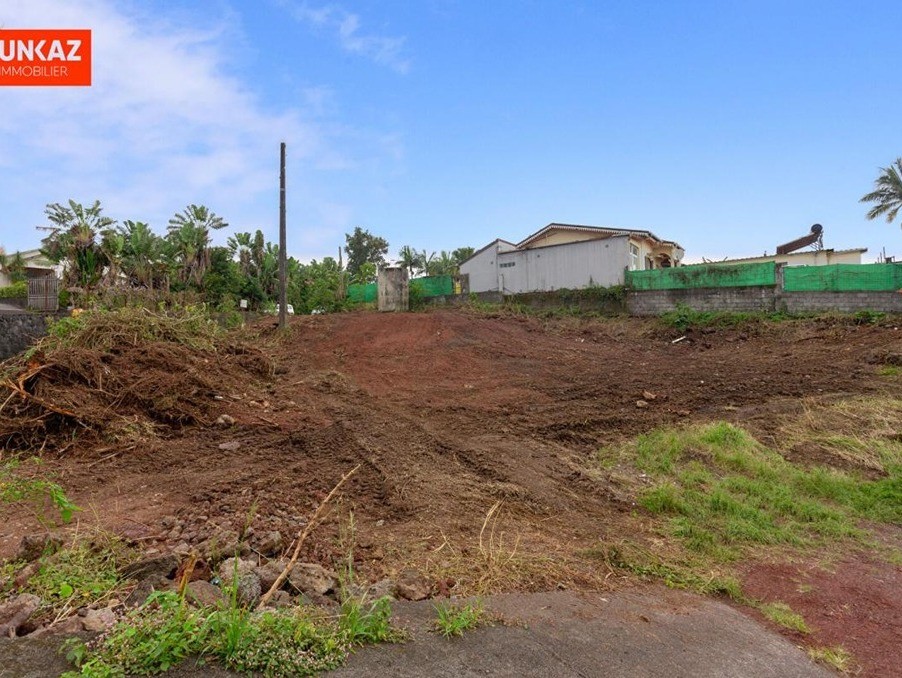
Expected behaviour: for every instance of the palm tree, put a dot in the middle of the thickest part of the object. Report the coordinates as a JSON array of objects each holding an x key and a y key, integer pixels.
[
  {"x": 409, "y": 259},
  {"x": 74, "y": 240},
  {"x": 887, "y": 195},
  {"x": 427, "y": 261},
  {"x": 443, "y": 264},
  {"x": 461, "y": 254},
  {"x": 189, "y": 238},
  {"x": 241, "y": 245},
  {"x": 142, "y": 254},
  {"x": 112, "y": 244},
  {"x": 13, "y": 264}
]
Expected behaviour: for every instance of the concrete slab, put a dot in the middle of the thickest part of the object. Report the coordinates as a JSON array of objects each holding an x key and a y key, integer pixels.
[
  {"x": 651, "y": 632},
  {"x": 647, "y": 632}
]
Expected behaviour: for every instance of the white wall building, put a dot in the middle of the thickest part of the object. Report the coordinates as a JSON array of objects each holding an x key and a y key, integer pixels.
[{"x": 564, "y": 256}]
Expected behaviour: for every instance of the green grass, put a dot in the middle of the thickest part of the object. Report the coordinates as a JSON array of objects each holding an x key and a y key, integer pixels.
[
  {"x": 718, "y": 490},
  {"x": 684, "y": 317},
  {"x": 690, "y": 573},
  {"x": 290, "y": 641},
  {"x": 453, "y": 620},
  {"x": 837, "y": 657},
  {"x": 889, "y": 371},
  {"x": 783, "y": 615},
  {"x": 364, "y": 623}
]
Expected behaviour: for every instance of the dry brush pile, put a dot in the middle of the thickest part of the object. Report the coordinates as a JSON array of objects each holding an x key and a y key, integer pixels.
[{"x": 117, "y": 376}]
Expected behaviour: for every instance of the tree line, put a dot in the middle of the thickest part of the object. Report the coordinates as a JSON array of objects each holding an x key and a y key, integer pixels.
[{"x": 99, "y": 254}]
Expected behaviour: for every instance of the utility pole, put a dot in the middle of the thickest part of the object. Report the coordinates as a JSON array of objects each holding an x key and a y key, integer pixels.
[{"x": 283, "y": 296}]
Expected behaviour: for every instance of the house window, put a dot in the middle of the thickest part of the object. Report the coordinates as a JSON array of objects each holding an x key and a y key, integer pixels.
[{"x": 634, "y": 257}]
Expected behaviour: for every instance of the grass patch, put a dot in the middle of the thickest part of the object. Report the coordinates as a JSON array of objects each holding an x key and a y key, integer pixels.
[
  {"x": 783, "y": 615},
  {"x": 363, "y": 623},
  {"x": 889, "y": 371},
  {"x": 718, "y": 490},
  {"x": 292, "y": 641},
  {"x": 689, "y": 573},
  {"x": 836, "y": 657},
  {"x": 684, "y": 317},
  {"x": 453, "y": 620}
]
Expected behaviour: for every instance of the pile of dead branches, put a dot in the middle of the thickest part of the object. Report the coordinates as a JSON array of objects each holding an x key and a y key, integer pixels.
[{"x": 110, "y": 376}]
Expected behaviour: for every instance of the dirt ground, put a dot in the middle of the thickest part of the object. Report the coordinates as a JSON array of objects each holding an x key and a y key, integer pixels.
[
  {"x": 853, "y": 603},
  {"x": 449, "y": 412}
]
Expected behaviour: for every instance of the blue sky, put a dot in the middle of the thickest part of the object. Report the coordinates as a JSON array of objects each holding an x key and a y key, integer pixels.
[{"x": 730, "y": 127}]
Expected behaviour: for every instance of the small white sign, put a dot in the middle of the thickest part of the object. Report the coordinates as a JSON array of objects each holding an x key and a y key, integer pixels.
[{"x": 243, "y": 304}]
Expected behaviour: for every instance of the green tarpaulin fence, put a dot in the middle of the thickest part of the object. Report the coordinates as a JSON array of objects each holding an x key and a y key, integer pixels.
[
  {"x": 432, "y": 286},
  {"x": 362, "y": 293},
  {"x": 703, "y": 275},
  {"x": 843, "y": 278}
]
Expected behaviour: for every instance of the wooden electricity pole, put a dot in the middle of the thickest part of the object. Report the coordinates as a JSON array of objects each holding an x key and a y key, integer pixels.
[{"x": 283, "y": 296}]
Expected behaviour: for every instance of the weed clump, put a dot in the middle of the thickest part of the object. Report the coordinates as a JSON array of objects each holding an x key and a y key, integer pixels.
[
  {"x": 453, "y": 620},
  {"x": 44, "y": 498},
  {"x": 290, "y": 641}
]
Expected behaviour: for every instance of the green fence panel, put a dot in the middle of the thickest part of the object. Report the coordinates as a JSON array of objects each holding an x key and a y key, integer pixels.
[
  {"x": 431, "y": 286},
  {"x": 703, "y": 275},
  {"x": 362, "y": 293},
  {"x": 843, "y": 278},
  {"x": 434, "y": 286}
]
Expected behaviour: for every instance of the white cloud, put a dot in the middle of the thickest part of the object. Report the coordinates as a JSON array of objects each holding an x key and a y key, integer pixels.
[
  {"x": 387, "y": 51},
  {"x": 164, "y": 124}
]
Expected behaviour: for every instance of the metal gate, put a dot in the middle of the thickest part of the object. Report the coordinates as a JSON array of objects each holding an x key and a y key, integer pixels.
[{"x": 43, "y": 293}]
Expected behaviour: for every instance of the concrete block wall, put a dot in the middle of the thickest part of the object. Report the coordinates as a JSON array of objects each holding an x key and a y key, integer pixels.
[
  {"x": 842, "y": 302},
  {"x": 460, "y": 299},
  {"x": 18, "y": 331},
  {"x": 735, "y": 299}
]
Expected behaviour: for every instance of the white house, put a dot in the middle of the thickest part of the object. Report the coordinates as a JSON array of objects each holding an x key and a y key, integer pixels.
[
  {"x": 807, "y": 258},
  {"x": 34, "y": 264},
  {"x": 566, "y": 256}
]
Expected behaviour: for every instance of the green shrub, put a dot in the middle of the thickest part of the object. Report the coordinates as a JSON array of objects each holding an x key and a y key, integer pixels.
[
  {"x": 17, "y": 290},
  {"x": 416, "y": 296}
]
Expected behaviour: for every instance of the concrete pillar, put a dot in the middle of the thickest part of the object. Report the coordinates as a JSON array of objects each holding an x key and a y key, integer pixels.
[
  {"x": 779, "y": 304},
  {"x": 392, "y": 289}
]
